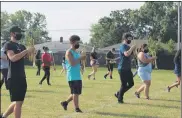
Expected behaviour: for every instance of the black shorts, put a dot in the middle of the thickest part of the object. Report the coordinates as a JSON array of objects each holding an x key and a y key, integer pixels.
[
  {"x": 17, "y": 90},
  {"x": 110, "y": 67},
  {"x": 75, "y": 86}
]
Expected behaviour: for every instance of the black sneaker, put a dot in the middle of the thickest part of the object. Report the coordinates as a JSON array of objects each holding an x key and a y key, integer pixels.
[
  {"x": 64, "y": 105},
  {"x": 1, "y": 116},
  {"x": 105, "y": 76},
  {"x": 89, "y": 76},
  {"x": 168, "y": 89},
  {"x": 120, "y": 102},
  {"x": 49, "y": 84},
  {"x": 137, "y": 95},
  {"x": 110, "y": 77},
  {"x": 78, "y": 110}
]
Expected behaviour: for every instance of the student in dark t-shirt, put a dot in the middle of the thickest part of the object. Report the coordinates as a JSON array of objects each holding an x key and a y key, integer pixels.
[
  {"x": 124, "y": 66},
  {"x": 17, "y": 84},
  {"x": 38, "y": 62},
  {"x": 110, "y": 62}
]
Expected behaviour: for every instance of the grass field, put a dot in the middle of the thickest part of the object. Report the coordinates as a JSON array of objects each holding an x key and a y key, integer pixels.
[{"x": 97, "y": 99}]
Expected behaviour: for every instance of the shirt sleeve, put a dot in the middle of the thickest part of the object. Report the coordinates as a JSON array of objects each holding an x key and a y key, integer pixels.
[
  {"x": 123, "y": 48},
  {"x": 8, "y": 46}
]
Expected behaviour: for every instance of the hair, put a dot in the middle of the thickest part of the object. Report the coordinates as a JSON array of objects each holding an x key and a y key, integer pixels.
[
  {"x": 45, "y": 48},
  {"x": 113, "y": 49},
  {"x": 93, "y": 55},
  {"x": 74, "y": 38},
  {"x": 63, "y": 59},
  {"x": 126, "y": 36},
  {"x": 142, "y": 47}
]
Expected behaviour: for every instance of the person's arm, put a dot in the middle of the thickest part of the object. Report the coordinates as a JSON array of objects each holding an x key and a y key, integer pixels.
[
  {"x": 11, "y": 55},
  {"x": 70, "y": 59},
  {"x": 142, "y": 58},
  {"x": 126, "y": 52}
]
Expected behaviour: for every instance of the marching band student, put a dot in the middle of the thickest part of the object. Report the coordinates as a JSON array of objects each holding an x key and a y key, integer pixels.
[
  {"x": 144, "y": 70},
  {"x": 46, "y": 60},
  {"x": 177, "y": 70}
]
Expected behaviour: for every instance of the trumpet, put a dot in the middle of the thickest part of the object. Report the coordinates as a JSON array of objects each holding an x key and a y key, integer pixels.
[{"x": 83, "y": 53}]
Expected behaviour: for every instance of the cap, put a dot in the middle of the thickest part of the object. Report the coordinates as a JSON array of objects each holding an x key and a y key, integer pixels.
[{"x": 16, "y": 29}]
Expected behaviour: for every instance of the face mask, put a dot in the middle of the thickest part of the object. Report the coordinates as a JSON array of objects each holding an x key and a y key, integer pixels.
[
  {"x": 146, "y": 50},
  {"x": 77, "y": 46},
  {"x": 128, "y": 41},
  {"x": 18, "y": 36}
]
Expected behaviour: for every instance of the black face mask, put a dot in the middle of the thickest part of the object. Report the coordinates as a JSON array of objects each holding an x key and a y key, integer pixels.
[
  {"x": 18, "y": 36},
  {"x": 146, "y": 50},
  {"x": 77, "y": 46},
  {"x": 128, "y": 41}
]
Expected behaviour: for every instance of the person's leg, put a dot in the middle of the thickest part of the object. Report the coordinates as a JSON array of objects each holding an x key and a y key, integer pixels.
[
  {"x": 108, "y": 72},
  {"x": 123, "y": 86},
  {"x": 129, "y": 79},
  {"x": 95, "y": 70},
  {"x": 48, "y": 75},
  {"x": 175, "y": 84},
  {"x": 10, "y": 110},
  {"x": 44, "y": 77},
  {"x": 2, "y": 80},
  {"x": 111, "y": 70},
  {"x": 139, "y": 90},
  {"x": 39, "y": 67},
  {"x": 146, "y": 89},
  {"x": 17, "y": 109},
  {"x": 5, "y": 73}
]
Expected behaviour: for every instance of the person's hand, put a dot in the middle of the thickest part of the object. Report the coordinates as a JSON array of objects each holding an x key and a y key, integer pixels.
[{"x": 154, "y": 58}]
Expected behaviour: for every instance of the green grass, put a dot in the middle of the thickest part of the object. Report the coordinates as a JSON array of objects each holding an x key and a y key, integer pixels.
[{"x": 97, "y": 100}]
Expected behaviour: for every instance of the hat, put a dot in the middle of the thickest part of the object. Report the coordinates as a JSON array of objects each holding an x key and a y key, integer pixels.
[{"x": 16, "y": 29}]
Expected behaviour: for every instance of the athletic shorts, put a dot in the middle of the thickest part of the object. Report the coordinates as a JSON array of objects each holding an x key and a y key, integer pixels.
[
  {"x": 110, "y": 67},
  {"x": 75, "y": 86},
  {"x": 17, "y": 90}
]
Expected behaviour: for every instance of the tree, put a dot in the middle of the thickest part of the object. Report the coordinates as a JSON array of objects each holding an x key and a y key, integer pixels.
[
  {"x": 154, "y": 47},
  {"x": 32, "y": 23},
  {"x": 171, "y": 46}
]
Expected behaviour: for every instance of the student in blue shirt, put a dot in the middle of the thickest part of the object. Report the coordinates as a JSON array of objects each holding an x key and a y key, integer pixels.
[
  {"x": 4, "y": 67},
  {"x": 124, "y": 66},
  {"x": 72, "y": 61}
]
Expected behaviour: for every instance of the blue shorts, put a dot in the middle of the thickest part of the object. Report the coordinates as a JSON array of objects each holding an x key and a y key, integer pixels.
[
  {"x": 177, "y": 71},
  {"x": 144, "y": 74}
]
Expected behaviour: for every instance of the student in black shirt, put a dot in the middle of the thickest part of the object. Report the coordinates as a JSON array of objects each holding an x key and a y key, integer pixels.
[
  {"x": 38, "y": 62},
  {"x": 17, "y": 84},
  {"x": 110, "y": 63}
]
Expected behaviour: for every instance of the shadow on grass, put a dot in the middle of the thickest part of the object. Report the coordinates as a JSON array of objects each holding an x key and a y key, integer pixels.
[
  {"x": 166, "y": 100},
  {"x": 152, "y": 105},
  {"x": 42, "y": 91},
  {"x": 123, "y": 115},
  {"x": 27, "y": 96}
]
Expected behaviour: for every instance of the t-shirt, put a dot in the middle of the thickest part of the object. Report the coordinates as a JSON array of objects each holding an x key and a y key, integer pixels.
[
  {"x": 109, "y": 55},
  {"x": 47, "y": 57},
  {"x": 4, "y": 63},
  {"x": 125, "y": 62},
  {"x": 16, "y": 70}
]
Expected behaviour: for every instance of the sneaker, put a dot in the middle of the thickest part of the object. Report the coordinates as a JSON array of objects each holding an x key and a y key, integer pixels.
[
  {"x": 93, "y": 78},
  {"x": 64, "y": 105},
  {"x": 40, "y": 83},
  {"x": 137, "y": 95},
  {"x": 168, "y": 89},
  {"x": 105, "y": 76},
  {"x": 78, "y": 110},
  {"x": 110, "y": 77},
  {"x": 147, "y": 98},
  {"x": 49, "y": 84},
  {"x": 1, "y": 116},
  {"x": 120, "y": 102}
]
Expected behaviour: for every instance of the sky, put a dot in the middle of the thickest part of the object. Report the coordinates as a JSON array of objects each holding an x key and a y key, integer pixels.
[{"x": 68, "y": 18}]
